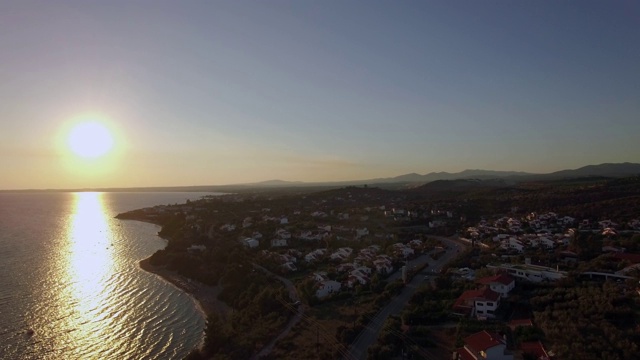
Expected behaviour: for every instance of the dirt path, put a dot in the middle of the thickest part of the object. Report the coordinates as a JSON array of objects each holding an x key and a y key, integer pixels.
[{"x": 293, "y": 295}]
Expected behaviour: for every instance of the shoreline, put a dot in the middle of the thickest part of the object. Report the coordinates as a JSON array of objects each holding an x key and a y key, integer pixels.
[{"x": 205, "y": 296}]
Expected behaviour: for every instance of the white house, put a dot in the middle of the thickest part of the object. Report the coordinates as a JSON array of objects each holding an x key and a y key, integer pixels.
[
  {"x": 513, "y": 243},
  {"x": 542, "y": 240},
  {"x": 251, "y": 243},
  {"x": 341, "y": 254},
  {"x": 283, "y": 234},
  {"x": 401, "y": 250},
  {"x": 352, "y": 280},
  {"x": 289, "y": 266},
  {"x": 319, "y": 214},
  {"x": 607, "y": 224},
  {"x": 278, "y": 242},
  {"x": 228, "y": 227},
  {"x": 484, "y": 346},
  {"x": 480, "y": 303},
  {"x": 415, "y": 244},
  {"x": 501, "y": 237},
  {"x": 531, "y": 273},
  {"x": 194, "y": 248},
  {"x": 501, "y": 283},
  {"x": 325, "y": 288},
  {"x": 383, "y": 264},
  {"x": 358, "y": 276},
  {"x": 315, "y": 255}
]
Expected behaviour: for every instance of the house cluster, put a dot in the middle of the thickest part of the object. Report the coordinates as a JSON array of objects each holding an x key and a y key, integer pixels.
[
  {"x": 281, "y": 238},
  {"x": 484, "y": 301},
  {"x": 520, "y": 243},
  {"x": 541, "y": 224},
  {"x": 608, "y": 227},
  {"x": 320, "y": 233},
  {"x": 549, "y": 220},
  {"x": 369, "y": 255},
  {"x": 357, "y": 274},
  {"x": 399, "y": 214},
  {"x": 405, "y": 251},
  {"x": 438, "y": 216}
]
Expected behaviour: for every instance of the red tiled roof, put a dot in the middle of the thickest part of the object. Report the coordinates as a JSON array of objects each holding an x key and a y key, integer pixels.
[
  {"x": 460, "y": 308},
  {"x": 483, "y": 340},
  {"x": 481, "y": 294},
  {"x": 519, "y": 322},
  {"x": 501, "y": 278},
  {"x": 536, "y": 348},
  {"x": 464, "y": 354}
]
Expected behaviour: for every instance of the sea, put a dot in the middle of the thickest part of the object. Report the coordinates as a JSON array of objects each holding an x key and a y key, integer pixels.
[{"x": 71, "y": 286}]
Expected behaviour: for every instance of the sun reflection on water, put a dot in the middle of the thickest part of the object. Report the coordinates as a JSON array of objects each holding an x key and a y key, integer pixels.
[{"x": 89, "y": 266}]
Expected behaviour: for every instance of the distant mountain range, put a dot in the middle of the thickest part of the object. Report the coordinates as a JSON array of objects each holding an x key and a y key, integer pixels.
[
  {"x": 412, "y": 180},
  {"x": 602, "y": 170}
]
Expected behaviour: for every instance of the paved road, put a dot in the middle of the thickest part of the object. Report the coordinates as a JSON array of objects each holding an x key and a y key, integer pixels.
[{"x": 369, "y": 334}]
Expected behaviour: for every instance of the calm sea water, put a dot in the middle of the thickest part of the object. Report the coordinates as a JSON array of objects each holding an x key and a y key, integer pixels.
[{"x": 69, "y": 272}]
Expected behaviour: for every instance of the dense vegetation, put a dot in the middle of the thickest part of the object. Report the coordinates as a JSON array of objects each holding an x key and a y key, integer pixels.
[
  {"x": 260, "y": 310},
  {"x": 588, "y": 321}
]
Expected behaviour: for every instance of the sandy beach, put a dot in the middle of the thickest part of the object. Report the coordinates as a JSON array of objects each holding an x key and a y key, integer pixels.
[{"x": 205, "y": 296}]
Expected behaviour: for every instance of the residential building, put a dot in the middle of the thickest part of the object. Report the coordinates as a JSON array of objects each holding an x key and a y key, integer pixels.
[
  {"x": 535, "y": 349},
  {"x": 194, "y": 248},
  {"x": 325, "y": 288},
  {"x": 250, "y": 243},
  {"x": 501, "y": 283},
  {"x": 531, "y": 273},
  {"x": 278, "y": 242},
  {"x": 480, "y": 303},
  {"x": 484, "y": 345}
]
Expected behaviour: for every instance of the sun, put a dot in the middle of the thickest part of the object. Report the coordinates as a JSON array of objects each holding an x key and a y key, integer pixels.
[{"x": 90, "y": 140}]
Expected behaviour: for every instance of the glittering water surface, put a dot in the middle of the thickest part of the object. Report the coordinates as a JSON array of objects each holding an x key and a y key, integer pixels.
[{"x": 71, "y": 287}]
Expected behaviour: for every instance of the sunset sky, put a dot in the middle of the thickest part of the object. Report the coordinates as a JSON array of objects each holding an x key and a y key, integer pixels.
[{"x": 220, "y": 92}]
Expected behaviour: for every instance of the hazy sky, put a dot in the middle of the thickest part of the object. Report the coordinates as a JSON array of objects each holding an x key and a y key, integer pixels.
[{"x": 217, "y": 92}]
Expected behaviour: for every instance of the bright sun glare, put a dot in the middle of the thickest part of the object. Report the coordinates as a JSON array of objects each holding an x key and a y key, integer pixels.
[{"x": 90, "y": 140}]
